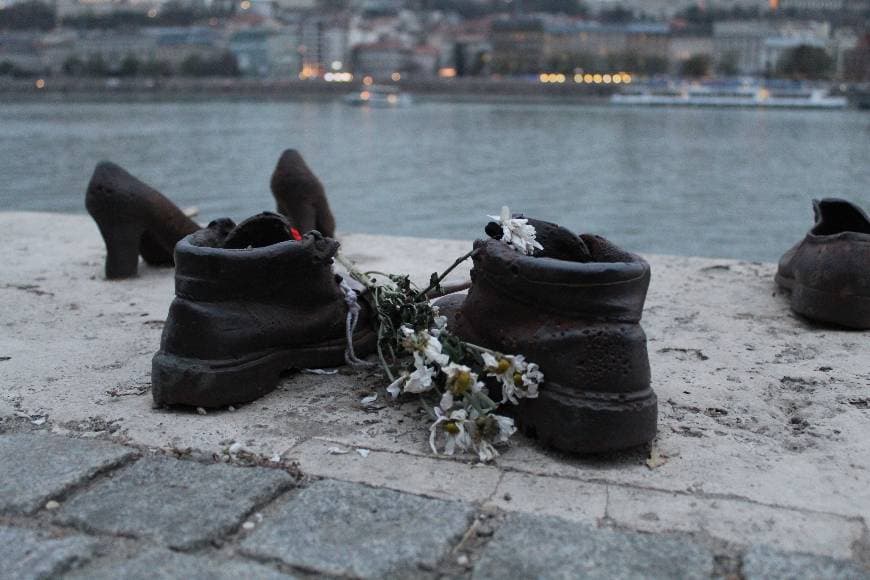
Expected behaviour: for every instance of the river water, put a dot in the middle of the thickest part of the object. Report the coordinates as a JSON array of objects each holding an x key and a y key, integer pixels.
[{"x": 708, "y": 182}]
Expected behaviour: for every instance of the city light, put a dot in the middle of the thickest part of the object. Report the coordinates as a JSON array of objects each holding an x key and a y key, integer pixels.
[
  {"x": 308, "y": 72},
  {"x": 552, "y": 78},
  {"x": 392, "y": 99},
  {"x": 597, "y": 79},
  {"x": 245, "y": 5},
  {"x": 338, "y": 77},
  {"x": 396, "y": 77},
  {"x": 587, "y": 78},
  {"x": 607, "y": 79},
  {"x": 367, "y": 81},
  {"x": 447, "y": 72},
  {"x": 152, "y": 13},
  {"x": 578, "y": 78},
  {"x": 40, "y": 84},
  {"x": 365, "y": 95},
  {"x": 336, "y": 65}
]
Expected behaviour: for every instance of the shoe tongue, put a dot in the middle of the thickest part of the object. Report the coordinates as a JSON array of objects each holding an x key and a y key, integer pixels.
[
  {"x": 558, "y": 242},
  {"x": 263, "y": 229}
]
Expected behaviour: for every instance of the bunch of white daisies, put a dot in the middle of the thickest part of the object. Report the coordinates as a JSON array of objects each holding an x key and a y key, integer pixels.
[{"x": 446, "y": 369}]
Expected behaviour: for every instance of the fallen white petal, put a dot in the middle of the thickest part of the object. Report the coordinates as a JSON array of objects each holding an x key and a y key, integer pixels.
[
  {"x": 337, "y": 451},
  {"x": 365, "y": 401},
  {"x": 363, "y": 452},
  {"x": 235, "y": 448},
  {"x": 320, "y": 371}
]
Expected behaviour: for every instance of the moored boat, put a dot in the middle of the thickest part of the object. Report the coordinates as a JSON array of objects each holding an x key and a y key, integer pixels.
[
  {"x": 743, "y": 95},
  {"x": 379, "y": 96}
]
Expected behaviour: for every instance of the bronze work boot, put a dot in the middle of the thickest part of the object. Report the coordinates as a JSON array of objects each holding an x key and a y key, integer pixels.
[
  {"x": 250, "y": 303},
  {"x": 300, "y": 196},
  {"x": 133, "y": 219},
  {"x": 828, "y": 272},
  {"x": 580, "y": 322}
]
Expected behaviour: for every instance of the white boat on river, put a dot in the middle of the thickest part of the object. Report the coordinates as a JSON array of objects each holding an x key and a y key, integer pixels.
[
  {"x": 728, "y": 96},
  {"x": 379, "y": 96}
]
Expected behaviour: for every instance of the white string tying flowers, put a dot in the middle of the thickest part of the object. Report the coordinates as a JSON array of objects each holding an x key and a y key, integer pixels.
[{"x": 421, "y": 356}]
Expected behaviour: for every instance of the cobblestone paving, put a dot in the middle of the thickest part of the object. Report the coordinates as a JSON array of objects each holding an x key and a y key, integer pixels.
[{"x": 75, "y": 508}]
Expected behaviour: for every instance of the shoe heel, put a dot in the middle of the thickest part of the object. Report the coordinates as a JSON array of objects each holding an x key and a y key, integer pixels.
[
  {"x": 122, "y": 249},
  {"x": 843, "y": 310}
]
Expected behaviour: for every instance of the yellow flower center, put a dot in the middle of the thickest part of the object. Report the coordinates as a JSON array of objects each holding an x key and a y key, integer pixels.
[
  {"x": 451, "y": 427},
  {"x": 461, "y": 383},
  {"x": 518, "y": 379},
  {"x": 503, "y": 366}
]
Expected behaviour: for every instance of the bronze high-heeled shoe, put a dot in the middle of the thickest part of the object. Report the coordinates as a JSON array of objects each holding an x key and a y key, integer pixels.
[
  {"x": 133, "y": 219},
  {"x": 300, "y": 196}
]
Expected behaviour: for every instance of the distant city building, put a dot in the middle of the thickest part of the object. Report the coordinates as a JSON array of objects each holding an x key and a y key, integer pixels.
[
  {"x": 174, "y": 45},
  {"x": 381, "y": 59},
  {"x": 323, "y": 44},
  {"x": 73, "y": 8},
  {"x": 267, "y": 52},
  {"x": 755, "y": 47},
  {"x": 531, "y": 45},
  {"x": 665, "y": 9}
]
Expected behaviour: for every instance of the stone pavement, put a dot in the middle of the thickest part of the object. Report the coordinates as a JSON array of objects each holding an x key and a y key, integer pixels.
[
  {"x": 762, "y": 447},
  {"x": 110, "y": 511}
]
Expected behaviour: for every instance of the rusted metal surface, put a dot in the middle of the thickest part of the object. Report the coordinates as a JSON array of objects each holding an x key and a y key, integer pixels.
[
  {"x": 134, "y": 219},
  {"x": 828, "y": 272},
  {"x": 580, "y": 321},
  {"x": 250, "y": 303}
]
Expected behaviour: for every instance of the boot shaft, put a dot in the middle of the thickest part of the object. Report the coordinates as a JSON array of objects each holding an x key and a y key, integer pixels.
[{"x": 578, "y": 321}]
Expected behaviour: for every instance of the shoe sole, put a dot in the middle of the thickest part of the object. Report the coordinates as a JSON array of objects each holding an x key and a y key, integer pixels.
[
  {"x": 589, "y": 423},
  {"x": 845, "y": 310},
  {"x": 191, "y": 382}
]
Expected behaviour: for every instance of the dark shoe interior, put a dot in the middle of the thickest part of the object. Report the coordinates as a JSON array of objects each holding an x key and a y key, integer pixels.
[
  {"x": 839, "y": 216},
  {"x": 259, "y": 231}
]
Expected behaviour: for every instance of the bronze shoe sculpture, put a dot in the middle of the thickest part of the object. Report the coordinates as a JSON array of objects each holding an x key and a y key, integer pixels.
[
  {"x": 828, "y": 272},
  {"x": 580, "y": 322},
  {"x": 300, "y": 196},
  {"x": 133, "y": 219},
  {"x": 251, "y": 302}
]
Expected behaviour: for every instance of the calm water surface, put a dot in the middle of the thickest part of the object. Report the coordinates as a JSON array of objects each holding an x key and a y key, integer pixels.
[{"x": 723, "y": 183}]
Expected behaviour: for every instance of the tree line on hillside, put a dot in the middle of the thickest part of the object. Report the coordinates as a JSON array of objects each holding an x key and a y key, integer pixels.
[{"x": 804, "y": 62}]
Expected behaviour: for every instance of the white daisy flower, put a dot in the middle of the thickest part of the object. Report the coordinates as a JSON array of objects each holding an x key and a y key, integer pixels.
[
  {"x": 460, "y": 380},
  {"x": 506, "y": 428},
  {"x": 519, "y": 379},
  {"x": 423, "y": 342},
  {"x": 420, "y": 380},
  {"x": 395, "y": 387},
  {"x": 454, "y": 428},
  {"x": 517, "y": 232}
]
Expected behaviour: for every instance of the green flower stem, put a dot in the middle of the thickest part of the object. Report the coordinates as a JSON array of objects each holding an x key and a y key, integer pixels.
[
  {"x": 355, "y": 272},
  {"x": 480, "y": 348},
  {"x": 444, "y": 274}
]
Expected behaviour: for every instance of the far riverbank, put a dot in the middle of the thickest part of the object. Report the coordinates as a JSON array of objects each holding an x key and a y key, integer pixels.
[{"x": 141, "y": 89}]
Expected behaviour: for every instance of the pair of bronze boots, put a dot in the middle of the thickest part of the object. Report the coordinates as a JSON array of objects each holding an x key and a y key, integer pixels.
[{"x": 251, "y": 302}]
